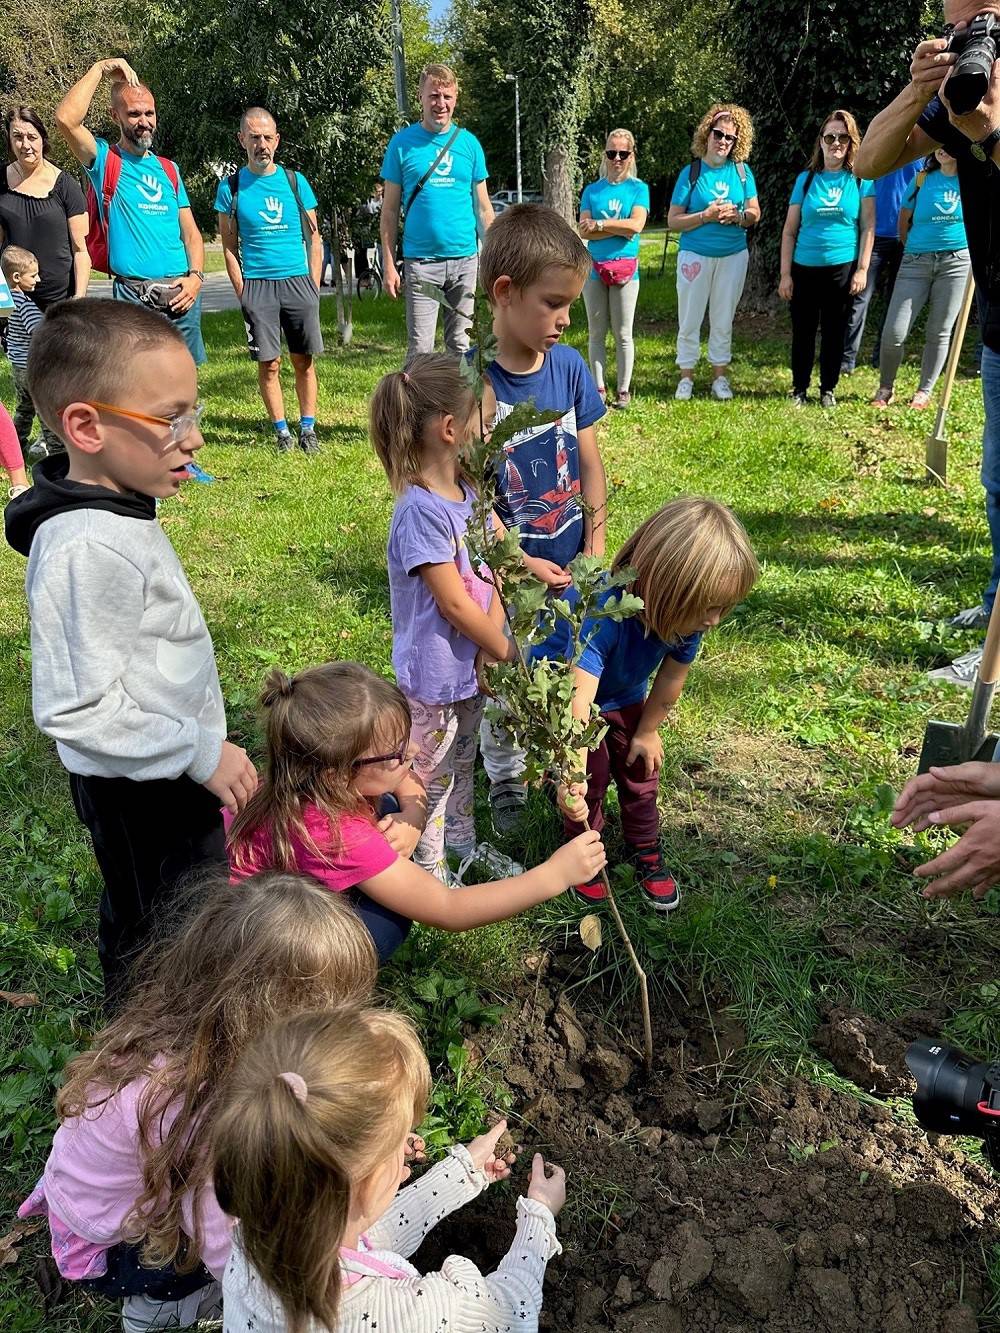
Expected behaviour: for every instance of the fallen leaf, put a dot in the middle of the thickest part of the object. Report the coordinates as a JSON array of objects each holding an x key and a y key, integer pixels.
[
  {"x": 591, "y": 933},
  {"x": 20, "y": 1000},
  {"x": 928, "y": 512},
  {"x": 8, "y": 1243}
]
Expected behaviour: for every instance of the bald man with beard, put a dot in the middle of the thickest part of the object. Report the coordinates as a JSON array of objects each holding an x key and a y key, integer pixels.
[{"x": 156, "y": 251}]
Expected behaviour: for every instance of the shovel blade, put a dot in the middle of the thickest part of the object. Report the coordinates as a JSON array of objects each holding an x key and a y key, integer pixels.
[{"x": 946, "y": 743}]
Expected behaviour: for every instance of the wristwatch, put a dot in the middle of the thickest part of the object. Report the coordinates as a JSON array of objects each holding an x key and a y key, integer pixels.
[
  {"x": 196, "y": 273},
  {"x": 600, "y": 224},
  {"x": 983, "y": 151}
]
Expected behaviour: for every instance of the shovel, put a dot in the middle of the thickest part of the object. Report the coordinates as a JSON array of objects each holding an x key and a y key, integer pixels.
[
  {"x": 953, "y": 742},
  {"x": 937, "y": 442}
]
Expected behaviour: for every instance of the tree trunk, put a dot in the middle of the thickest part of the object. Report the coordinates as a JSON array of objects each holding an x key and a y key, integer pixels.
[
  {"x": 558, "y": 191},
  {"x": 345, "y": 320}
]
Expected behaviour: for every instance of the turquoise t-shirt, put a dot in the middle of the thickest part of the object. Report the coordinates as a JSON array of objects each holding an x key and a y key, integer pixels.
[
  {"x": 604, "y": 200},
  {"x": 442, "y": 222},
  {"x": 270, "y": 226},
  {"x": 713, "y": 239},
  {"x": 144, "y": 230},
  {"x": 937, "y": 215},
  {"x": 829, "y": 229}
]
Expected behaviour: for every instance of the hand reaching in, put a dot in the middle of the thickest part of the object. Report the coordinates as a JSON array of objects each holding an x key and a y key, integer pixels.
[
  {"x": 235, "y": 778},
  {"x": 547, "y": 1184},
  {"x": 942, "y": 787},
  {"x": 483, "y": 1151}
]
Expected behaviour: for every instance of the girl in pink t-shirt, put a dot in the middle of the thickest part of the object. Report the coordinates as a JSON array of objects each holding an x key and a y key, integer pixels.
[{"x": 338, "y": 743}]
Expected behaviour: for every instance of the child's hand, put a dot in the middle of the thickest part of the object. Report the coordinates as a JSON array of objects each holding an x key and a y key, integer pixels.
[
  {"x": 571, "y": 801},
  {"x": 413, "y": 1149},
  {"x": 551, "y": 574},
  {"x": 400, "y": 834},
  {"x": 485, "y": 1156},
  {"x": 547, "y": 1184},
  {"x": 578, "y": 861},
  {"x": 234, "y": 780},
  {"x": 649, "y": 748}
]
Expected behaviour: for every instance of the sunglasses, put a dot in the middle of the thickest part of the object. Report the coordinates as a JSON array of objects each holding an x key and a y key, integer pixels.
[
  {"x": 618, "y": 154},
  {"x": 390, "y": 761},
  {"x": 723, "y": 137},
  {"x": 181, "y": 425},
  {"x": 831, "y": 139}
]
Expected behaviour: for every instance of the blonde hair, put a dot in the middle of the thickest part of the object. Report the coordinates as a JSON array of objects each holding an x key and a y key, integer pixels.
[
  {"x": 741, "y": 121},
  {"x": 431, "y": 385},
  {"x": 692, "y": 554},
  {"x": 524, "y": 241},
  {"x": 317, "y": 723},
  {"x": 15, "y": 259},
  {"x": 630, "y": 169},
  {"x": 438, "y": 73},
  {"x": 314, "y": 1107},
  {"x": 851, "y": 125},
  {"x": 247, "y": 954}
]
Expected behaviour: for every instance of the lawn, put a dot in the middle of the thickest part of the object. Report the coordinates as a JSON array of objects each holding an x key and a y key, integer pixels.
[{"x": 802, "y": 715}]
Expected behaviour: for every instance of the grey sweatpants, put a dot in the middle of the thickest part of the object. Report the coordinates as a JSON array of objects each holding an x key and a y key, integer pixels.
[
  {"x": 941, "y": 277},
  {"x": 611, "y": 308},
  {"x": 457, "y": 279}
]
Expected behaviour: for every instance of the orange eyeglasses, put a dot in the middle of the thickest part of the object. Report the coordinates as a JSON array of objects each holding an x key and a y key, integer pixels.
[{"x": 181, "y": 425}]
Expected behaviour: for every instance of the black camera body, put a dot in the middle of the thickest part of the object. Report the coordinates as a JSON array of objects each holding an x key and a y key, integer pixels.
[
  {"x": 976, "y": 47},
  {"x": 955, "y": 1094}
]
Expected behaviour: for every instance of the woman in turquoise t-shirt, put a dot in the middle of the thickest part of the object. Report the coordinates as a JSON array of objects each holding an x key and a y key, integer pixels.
[
  {"x": 935, "y": 266},
  {"x": 613, "y": 212},
  {"x": 713, "y": 204},
  {"x": 825, "y": 248}
]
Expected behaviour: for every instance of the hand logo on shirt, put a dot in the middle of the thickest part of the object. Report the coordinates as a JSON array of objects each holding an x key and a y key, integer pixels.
[
  {"x": 150, "y": 188},
  {"x": 614, "y": 209},
  {"x": 948, "y": 202},
  {"x": 444, "y": 167},
  {"x": 272, "y": 212},
  {"x": 830, "y": 196},
  {"x": 720, "y": 191}
]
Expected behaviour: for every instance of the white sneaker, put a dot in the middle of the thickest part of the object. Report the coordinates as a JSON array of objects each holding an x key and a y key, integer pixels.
[
  {"x": 722, "y": 389},
  {"x": 141, "y": 1313},
  {"x": 15, "y": 491},
  {"x": 486, "y": 857},
  {"x": 685, "y": 388},
  {"x": 973, "y": 617},
  {"x": 963, "y": 671}
]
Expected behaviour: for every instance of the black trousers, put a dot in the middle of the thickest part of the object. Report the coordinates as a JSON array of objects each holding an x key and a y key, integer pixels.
[
  {"x": 820, "y": 300},
  {"x": 148, "y": 838}
]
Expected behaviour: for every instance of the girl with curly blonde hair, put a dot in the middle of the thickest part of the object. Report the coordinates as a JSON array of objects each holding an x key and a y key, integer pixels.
[{"x": 713, "y": 205}]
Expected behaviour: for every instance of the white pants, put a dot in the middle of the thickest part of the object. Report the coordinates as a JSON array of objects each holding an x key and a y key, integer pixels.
[
  {"x": 712, "y": 284},
  {"x": 611, "y": 308}
]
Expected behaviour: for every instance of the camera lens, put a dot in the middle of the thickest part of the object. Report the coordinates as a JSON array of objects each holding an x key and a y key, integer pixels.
[
  {"x": 950, "y": 1087},
  {"x": 969, "y": 80}
]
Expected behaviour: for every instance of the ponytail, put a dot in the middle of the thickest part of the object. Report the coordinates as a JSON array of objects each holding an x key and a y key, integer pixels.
[{"x": 404, "y": 402}]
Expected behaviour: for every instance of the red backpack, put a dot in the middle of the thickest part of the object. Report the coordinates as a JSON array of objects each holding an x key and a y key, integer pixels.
[{"x": 98, "y": 210}]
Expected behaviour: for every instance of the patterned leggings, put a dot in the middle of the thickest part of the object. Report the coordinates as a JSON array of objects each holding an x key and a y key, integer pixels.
[{"x": 446, "y": 735}]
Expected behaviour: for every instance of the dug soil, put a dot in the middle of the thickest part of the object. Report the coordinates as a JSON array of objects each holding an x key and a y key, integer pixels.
[{"x": 700, "y": 1201}]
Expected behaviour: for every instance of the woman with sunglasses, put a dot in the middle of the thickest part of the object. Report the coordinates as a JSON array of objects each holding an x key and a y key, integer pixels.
[
  {"x": 826, "y": 244},
  {"x": 713, "y": 205},
  {"x": 613, "y": 212}
]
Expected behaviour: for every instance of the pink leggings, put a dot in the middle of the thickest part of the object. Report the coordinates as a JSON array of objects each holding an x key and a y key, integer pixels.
[{"x": 11, "y": 458}]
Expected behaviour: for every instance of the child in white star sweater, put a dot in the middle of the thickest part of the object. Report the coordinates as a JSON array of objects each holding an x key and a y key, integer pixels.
[{"x": 310, "y": 1152}]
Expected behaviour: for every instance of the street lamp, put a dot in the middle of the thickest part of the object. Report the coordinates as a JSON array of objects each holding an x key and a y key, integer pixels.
[{"x": 512, "y": 78}]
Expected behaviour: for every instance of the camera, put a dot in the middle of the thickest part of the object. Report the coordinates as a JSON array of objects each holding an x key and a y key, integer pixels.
[
  {"x": 955, "y": 1094},
  {"x": 976, "y": 47}
]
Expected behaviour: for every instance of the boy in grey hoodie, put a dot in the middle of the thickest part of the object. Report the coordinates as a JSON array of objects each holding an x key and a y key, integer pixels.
[{"x": 122, "y": 665}]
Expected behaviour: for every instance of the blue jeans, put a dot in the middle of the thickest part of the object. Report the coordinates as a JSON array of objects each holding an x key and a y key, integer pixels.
[
  {"x": 187, "y": 325},
  {"x": 990, "y": 474}
]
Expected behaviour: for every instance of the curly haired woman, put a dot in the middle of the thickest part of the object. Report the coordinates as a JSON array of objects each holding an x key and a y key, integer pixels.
[{"x": 713, "y": 204}]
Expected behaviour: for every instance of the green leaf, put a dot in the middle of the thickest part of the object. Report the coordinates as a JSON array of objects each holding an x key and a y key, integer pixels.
[{"x": 523, "y": 417}]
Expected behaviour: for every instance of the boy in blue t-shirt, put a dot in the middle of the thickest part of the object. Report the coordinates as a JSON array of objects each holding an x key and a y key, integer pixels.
[{"x": 551, "y": 485}]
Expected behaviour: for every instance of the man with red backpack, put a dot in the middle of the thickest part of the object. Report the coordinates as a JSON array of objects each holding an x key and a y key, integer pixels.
[{"x": 143, "y": 233}]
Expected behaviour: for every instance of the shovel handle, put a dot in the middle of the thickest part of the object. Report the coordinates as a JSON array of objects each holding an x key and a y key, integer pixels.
[{"x": 989, "y": 667}]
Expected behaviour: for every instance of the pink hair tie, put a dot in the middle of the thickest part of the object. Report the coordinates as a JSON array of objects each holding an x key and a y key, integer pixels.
[
  {"x": 406, "y": 378},
  {"x": 297, "y": 1084}
]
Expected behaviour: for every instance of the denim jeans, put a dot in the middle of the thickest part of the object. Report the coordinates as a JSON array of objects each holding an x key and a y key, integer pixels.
[
  {"x": 938, "y": 277},
  {"x": 990, "y": 474},
  {"x": 187, "y": 325},
  {"x": 884, "y": 264}
]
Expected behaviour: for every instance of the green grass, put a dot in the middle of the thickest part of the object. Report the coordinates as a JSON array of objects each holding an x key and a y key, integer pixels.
[{"x": 800, "y": 709}]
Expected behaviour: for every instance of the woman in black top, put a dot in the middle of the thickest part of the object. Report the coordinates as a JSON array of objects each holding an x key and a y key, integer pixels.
[{"x": 44, "y": 210}]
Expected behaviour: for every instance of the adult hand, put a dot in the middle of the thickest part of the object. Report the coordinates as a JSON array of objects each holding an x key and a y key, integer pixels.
[
  {"x": 400, "y": 834},
  {"x": 392, "y": 283},
  {"x": 187, "y": 291},
  {"x": 551, "y": 574},
  {"x": 930, "y": 67},
  {"x": 483, "y": 1151},
  {"x": 235, "y": 778},
  {"x": 942, "y": 787},
  {"x": 859, "y": 280},
  {"x": 547, "y": 1184},
  {"x": 118, "y": 70},
  {"x": 785, "y": 287},
  {"x": 648, "y": 747},
  {"x": 985, "y": 118},
  {"x": 587, "y": 226},
  {"x": 974, "y": 861},
  {"x": 713, "y": 211},
  {"x": 728, "y": 213}
]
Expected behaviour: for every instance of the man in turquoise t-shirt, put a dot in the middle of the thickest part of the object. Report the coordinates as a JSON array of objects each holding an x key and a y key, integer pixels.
[
  {"x": 437, "y": 173},
  {"x": 274, "y": 257},
  {"x": 156, "y": 252}
]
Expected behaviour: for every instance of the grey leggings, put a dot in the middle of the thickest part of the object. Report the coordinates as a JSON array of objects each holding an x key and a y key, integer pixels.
[
  {"x": 940, "y": 276},
  {"x": 611, "y": 308}
]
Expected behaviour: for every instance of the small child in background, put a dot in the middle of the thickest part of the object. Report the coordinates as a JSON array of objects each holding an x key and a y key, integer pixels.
[
  {"x": 693, "y": 563},
  {"x": 20, "y": 268},
  {"x": 127, "y": 1187},
  {"x": 11, "y": 458},
  {"x": 550, "y": 484},
  {"x": 309, "y": 1156},
  {"x": 338, "y": 742},
  {"x": 443, "y": 613}
]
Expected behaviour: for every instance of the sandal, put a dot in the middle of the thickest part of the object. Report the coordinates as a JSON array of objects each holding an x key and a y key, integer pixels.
[
  {"x": 883, "y": 397},
  {"x": 920, "y": 400}
]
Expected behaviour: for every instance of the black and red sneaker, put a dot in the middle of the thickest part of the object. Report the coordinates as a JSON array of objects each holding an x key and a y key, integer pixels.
[
  {"x": 592, "y": 892},
  {"x": 655, "y": 879}
]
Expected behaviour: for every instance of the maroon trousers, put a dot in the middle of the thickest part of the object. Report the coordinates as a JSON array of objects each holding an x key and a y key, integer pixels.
[{"x": 636, "y": 792}]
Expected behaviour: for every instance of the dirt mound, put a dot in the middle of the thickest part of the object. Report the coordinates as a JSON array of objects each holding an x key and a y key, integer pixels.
[
  {"x": 871, "y": 1053},
  {"x": 699, "y": 1204}
]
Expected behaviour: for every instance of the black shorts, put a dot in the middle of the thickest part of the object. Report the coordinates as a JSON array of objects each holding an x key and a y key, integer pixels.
[{"x": 272, "y": 306}]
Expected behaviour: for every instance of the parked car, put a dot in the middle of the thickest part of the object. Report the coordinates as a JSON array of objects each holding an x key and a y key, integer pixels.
[{"x": 504, "y": 198}]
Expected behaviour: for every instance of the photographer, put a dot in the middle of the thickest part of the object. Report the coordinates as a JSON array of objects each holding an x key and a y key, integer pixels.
[{"x": 920, "y": 120}]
